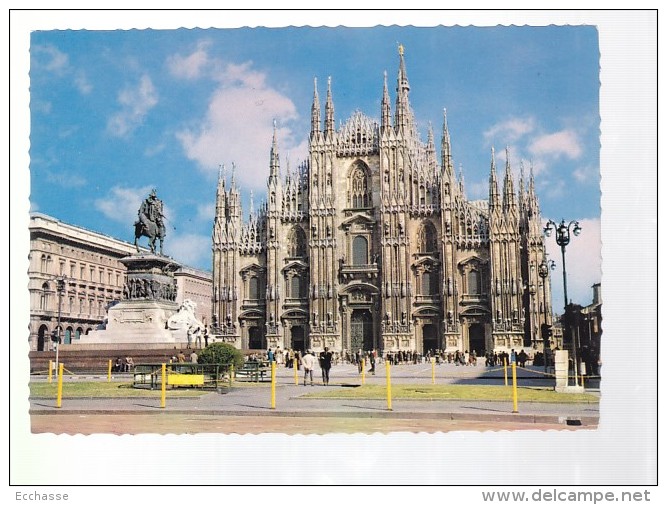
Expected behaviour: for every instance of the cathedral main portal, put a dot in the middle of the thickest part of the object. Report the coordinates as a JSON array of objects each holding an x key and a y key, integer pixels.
[{"x": 361, "y": 330}]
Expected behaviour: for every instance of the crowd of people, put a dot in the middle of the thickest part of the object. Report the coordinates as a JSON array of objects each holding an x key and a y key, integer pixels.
[{"x": 367, "y": 360}]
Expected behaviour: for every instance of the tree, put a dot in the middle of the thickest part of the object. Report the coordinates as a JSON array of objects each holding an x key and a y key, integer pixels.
[{"x": 220, "y": 352}]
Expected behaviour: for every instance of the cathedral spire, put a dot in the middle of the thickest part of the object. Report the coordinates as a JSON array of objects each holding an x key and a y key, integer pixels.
[
  {"x": 446, "y": 147},
  {"x": 522, "y": 184},
  {"x": 234, "y": 199},
  {"x": 508, "y": 186},
  {"x": 461, "y": 181},
  {"x": 274, "y": 164},
  {"x": 329, "y": 112},
  {"x": 221, "y": 194},
  {"x": 402, "y": 119},
  {"x": 531, "y": 181},
  {"x": 494, "y": 196},
  {"x": 315, "y": 112},
  {"x": 386, "y": 106}
]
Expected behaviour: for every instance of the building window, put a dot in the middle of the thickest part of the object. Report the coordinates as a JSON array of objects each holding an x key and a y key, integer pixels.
[
  {"x": 295, "y": 287},
  {"x": 253, "y": 288},
  {"x": 360, "y": 251},
  {"x": 427, "y": 238},
  {"x": 426, "y": 283},
  {"x": 44, "y": 297},
  {"x": 474, "y": 284},
  {"x": 296, "y": 243},
  {"x": 360, "y": 196},
  {"x": 72, "y": 269}
]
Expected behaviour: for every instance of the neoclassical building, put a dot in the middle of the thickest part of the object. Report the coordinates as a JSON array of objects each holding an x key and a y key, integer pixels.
[
  {"x": 75, "y": 275},
  {"x": 371, "y": 243}
]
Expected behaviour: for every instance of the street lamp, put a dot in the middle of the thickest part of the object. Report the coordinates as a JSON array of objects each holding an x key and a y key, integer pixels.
[
  {"x": 563, "y": 239},
  {"x": 60, "y": 288},
  {"x": 543, "y": 272}
]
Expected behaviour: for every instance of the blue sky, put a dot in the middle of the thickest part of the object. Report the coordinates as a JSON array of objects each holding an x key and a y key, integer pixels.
[{"x": 115, "y": 113}]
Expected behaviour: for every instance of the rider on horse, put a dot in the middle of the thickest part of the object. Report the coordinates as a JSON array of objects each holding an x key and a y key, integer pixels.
[{"x": 151, "y": 221}]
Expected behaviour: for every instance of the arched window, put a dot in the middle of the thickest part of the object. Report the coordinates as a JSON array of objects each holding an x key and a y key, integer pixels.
[
  {"x": 44, "y": 264},
  {"x": 359, "y": 189},
  {"x": 427, "y": 238},
  {"x": 360, "y": 251},
  {"x": 296, "y": 243},
  {"x": 474, "y": 283},
  {"x": 253, "y": 288},
  {"x": 44, "y": 297}
]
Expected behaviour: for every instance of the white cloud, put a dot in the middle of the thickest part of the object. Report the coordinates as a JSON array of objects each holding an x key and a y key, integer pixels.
[
  {"x": 189, "y": 249},
  {"x": 121, "y": 204},
  {"x": 65, "y": 179},
  {"x": 238, "y": 128},
  {"x": 135, "y": 103},
  {"x": 586, "y": 173},
  {"x": 206, "y": 212},
  {"x": 510, "y": 131},
  {"x": 82, "y": 83},
  {"x": 189, "y": 67},
  {"x": 562, "y": 143},
  {"x": 583, "y": 263},
  {"x": 54, "y": 60}
]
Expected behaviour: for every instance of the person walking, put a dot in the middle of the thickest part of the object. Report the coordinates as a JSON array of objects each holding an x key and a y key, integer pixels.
[
  {"x": 325, "y": 364},
  {"x": 308, "y": 362},
  {"x": 371, "y": 357}
]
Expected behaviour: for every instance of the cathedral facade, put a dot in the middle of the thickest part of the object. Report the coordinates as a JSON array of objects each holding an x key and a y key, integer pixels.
[{"x": 371, "y": 243}]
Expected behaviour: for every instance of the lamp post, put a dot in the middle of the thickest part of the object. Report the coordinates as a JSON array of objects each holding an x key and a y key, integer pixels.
[
  {"x": 563, "y": 239},
  {"x": 60, "y": 288},
  {"x": 543, "y": 272}
]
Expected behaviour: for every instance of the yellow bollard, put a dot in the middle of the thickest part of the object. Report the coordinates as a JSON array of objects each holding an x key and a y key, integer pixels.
[
  {"x": 388, "y": 368},
  {"x": 109, "y": 372},
  {"x": 273, "y": 384},
  {"x": 50, "y": 371},
  {"x": 59, "y": 399},
  {"x": 505, "y": 367},
  {"x": 515, "y": 398},
  {"x": 433, "y": 370},
  {"x": 163, "y": 396},
  {"x": 295, "y": 365},
  {"x": 363, "y": 370}
]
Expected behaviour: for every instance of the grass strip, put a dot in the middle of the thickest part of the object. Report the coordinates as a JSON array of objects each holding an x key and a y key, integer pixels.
[{"x": 450, "y": 392}]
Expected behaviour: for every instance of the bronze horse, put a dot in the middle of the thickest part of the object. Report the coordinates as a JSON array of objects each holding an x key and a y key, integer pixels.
[{"x": 150, "y": 230}]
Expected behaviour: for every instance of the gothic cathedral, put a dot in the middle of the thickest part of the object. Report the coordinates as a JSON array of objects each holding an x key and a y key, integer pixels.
[{"x": 372, "y": 244}]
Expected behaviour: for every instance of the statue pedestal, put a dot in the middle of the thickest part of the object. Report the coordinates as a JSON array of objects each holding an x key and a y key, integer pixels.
[{"x": 149, "y": 301}]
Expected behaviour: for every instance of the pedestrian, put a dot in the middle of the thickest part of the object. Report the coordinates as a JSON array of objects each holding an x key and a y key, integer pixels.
[
  {"x": 193, "y": 357},
  {"x": 308, "y": 362},
  {"x": 271, "y": 356},
  {"x": 189, "y": 337},
  {"x": 371, "y": 356},
  {"x": 198, "y": 337},
  {"x": 205, "y": 335},
  {"x": 325, "y": 364}
]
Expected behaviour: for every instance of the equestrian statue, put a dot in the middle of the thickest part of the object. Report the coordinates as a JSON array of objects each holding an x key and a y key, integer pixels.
[{"x": 150, "y": 222}]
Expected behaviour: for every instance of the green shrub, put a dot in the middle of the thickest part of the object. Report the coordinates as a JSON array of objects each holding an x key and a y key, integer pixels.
[{"x": 220, "y": 352}]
